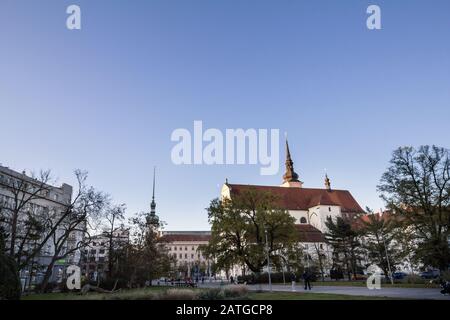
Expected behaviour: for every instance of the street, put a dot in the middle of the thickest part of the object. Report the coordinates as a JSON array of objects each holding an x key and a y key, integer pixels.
[{"x": 398, "y": 293}]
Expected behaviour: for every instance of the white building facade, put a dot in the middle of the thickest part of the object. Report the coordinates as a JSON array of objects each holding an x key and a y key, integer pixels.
[{"x": 36, "y": 200}]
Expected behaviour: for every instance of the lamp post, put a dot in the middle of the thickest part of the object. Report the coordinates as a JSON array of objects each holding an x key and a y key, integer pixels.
[
  {"x": 268, "y": 261},
  {"x": 387, "y": 257}
]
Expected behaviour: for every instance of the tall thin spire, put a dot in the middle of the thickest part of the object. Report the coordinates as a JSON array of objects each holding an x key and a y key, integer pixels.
[
  {"x": 290, "y": 175},
  {"x": 290, "y": 178},
  {"x": 153, "y": 203}
]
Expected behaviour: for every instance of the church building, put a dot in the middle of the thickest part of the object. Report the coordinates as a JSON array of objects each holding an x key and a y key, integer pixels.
[{"x": 309, "y": 206}]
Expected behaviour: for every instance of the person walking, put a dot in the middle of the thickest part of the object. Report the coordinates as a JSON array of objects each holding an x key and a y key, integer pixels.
[
  {"x": 293, "y": 278},
  {"x": 307, "y": 279}
]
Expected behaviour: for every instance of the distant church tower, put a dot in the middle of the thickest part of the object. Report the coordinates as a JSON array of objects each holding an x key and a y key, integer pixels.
[
  {"x": 290, "y": 178},
  {"x": 153, "y": 203}
]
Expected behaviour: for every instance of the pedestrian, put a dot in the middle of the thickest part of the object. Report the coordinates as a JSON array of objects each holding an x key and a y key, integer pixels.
[
  {"x": 307, "y": 279},
  {"x": 231, "y": 279},
  {"x": 293, "y": 278}
]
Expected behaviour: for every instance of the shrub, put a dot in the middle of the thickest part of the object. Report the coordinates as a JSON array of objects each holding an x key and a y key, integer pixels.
[
  {"x": 10, "y": 288},
  {"x": 178, "y": 294},
  {"x": 211, "y": 294},
  {"x": 445, "y": 275},
  {"x": 108, "y": 284},
  {"x": 413, "y": 279},
  {"x": 248, "y": 279},
  {"x": 235, "y": 291}
]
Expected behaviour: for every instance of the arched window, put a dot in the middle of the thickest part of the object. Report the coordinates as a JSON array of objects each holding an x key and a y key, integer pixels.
[{"x": 302, "y": 220}]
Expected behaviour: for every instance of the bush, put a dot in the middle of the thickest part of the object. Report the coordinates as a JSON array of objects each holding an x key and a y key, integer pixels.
[
  {"x": 178, "y": 294},
  {"x": 248, "y": 279},
  {"x": 108, "y": 284},
  {"x": 445, "y": 275},
  {"x": 235, "y": 291},
  {"x": 10, "y": 288},
  {"x": 413, "y": 279},
  {"x": 211, "y": 294}
]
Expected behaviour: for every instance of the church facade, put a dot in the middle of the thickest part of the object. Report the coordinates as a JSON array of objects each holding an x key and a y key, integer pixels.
[{"x": 309, "y": 206}]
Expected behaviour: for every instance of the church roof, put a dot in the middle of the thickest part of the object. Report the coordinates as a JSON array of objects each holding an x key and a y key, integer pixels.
[
  {"x": 307, "y": 233},
  {"x": 305, "y": 198},
  {"x": 186, "y": 236}
]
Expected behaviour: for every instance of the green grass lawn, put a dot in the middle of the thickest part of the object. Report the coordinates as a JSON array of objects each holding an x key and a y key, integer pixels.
[
  {"x": 133, "y": 294},
  {"x": 147, "y": 293}
]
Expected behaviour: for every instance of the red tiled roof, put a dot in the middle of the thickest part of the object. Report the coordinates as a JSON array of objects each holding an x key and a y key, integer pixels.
[
  {"x": 186, "y": 237},
  {"x": 305, "y": 198},
  {"x": 307, "y": 233},
  {"x": 385, "y": 216}
]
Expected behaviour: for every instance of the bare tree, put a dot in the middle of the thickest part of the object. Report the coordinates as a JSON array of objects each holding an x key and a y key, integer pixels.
[
  {"x": 80, "y": 216},
  {"x": 114, "y": 217},
  {"x": 17, "y": 214}
]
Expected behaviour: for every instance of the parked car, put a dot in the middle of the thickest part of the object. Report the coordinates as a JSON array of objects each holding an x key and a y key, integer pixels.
[
  {"x": 430, "y": 274},
  {"x": 398, "y": 275}
]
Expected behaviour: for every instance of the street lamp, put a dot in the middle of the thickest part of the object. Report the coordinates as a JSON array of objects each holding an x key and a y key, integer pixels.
[
  {"x": 387, "y": 257},
  {"x": 268, "y": 261}
]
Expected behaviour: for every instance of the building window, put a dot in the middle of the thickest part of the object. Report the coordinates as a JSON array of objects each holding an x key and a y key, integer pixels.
[
  {"x": 185, "y": 248},
  {"x": 181, "y": 256},
  {"x": 193, "y": 248},
  {"x": 329, "y": 209},
  {"x": 185, "y": 255},
  {"x": 175, "y": 248},
  {"x": 181, "y": 249},
  {"x": 302, "y": 220},
  {"x": 321, "y": 246},
  {"x": 192, "y": 256}
]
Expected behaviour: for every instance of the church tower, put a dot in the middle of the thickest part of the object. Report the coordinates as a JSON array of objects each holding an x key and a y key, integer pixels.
[
  {"x": 290, "y": 178},
  {"x": 327, "y": 183},
  {"x": 153, "y": 203}
]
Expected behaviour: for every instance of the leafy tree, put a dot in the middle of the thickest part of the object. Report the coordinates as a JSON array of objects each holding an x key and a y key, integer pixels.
[
  {"x": 379, "y": 241},
  {"x": 320, "y": 259},
  {"x": 345, "y": 243},
  {"x": 239, "y": 227},
  {"x": 416, "y": 187},
  {"x": 147, "y": 255}
]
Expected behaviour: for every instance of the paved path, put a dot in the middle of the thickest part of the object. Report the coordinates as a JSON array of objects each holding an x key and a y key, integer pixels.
[{"x": 401, "y": 293}]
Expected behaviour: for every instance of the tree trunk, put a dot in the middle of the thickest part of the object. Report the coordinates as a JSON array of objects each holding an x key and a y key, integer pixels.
[
  {"x": 48, "y": 274},
  {"x": 13, "y": 236}
]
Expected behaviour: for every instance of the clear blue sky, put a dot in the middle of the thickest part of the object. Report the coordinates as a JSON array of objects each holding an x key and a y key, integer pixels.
[{"x": 107, "y": 98}]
